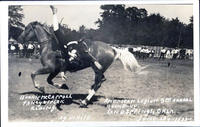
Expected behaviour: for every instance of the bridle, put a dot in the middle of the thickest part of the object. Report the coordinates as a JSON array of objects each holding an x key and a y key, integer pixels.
[{"x": 37, "y": 36}]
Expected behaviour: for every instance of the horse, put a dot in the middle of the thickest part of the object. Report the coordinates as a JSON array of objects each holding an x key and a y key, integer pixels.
[
  {"x": 53, "y": 64},
  {"x": 49, "y": 57}
]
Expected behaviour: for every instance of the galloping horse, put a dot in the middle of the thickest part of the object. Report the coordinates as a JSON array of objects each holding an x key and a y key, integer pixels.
[
  {"x": 53, "y": 64},
  {"x": 50, "y": 58}
]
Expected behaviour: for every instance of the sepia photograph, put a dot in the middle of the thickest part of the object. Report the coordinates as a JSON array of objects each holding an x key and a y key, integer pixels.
[{"x": 101, "y": 62}]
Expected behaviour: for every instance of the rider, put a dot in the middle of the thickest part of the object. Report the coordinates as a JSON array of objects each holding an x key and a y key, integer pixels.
[{"x": 60, "y": 36}]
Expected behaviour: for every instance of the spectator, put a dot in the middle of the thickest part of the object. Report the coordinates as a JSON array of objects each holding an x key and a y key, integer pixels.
[
  {"x": 12, "y": 48},
  {"x": 175, "y": 53},
  {"x": 168, "y": 54},
  {"x": 162, "y": 54},
  {"x": 21, "y": 50},
  {"x": 182, "y": 54}
]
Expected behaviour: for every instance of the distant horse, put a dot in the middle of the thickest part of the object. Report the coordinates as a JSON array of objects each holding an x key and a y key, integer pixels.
[{"x": 53, "y": 64}]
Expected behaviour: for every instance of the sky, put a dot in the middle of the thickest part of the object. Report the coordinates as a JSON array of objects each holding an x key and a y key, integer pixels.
[{"x": 77, "y": 15}]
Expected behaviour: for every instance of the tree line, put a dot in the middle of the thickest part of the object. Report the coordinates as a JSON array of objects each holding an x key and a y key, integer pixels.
[{"x": 119, "y": 24}]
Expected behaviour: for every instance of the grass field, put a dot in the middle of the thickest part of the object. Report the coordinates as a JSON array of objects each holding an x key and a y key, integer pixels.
[{"x": 160, "y": 92}]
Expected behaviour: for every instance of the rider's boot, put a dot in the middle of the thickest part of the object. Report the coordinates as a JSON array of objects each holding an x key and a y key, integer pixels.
[{"x": 54, "y": 10}]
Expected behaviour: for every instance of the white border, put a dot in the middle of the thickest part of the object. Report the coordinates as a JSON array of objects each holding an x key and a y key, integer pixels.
[
  {"x": 4, "y": 66},
  {"x": 196, "y": 61}
]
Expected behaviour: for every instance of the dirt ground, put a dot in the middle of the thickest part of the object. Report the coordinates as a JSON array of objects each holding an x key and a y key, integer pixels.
[{"x": 158, "y": 93}]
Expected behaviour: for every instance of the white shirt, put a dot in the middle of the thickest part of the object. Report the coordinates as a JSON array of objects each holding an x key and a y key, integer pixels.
[
  {"x": 138, "y": 48},
  {"x": 163, "y": 50},
  {"x": 168, "y": 52},
  {"x": 12, "y": 47},
  {"x": 30, "y": 46},
  {"x": 21, "y": 46}
]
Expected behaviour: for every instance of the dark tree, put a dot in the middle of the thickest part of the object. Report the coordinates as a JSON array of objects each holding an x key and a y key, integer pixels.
[
  {"x": 187, "y": 36},
  {"x": 15, "y": 16},
  {"x": 121, "y": 25}
]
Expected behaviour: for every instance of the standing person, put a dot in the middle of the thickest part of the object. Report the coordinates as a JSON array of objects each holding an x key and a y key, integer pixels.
[
  {"x": 163, "y": 52},
  {"x": 152, "y": 53},
  {"x": 21, "y": 50},
  {"x": 30, "y": 49},
  {"x": 60, "y": 36},
  {"x": 168, "y": 54},
  {"x": 182, "y": 54},
  {"x": 12, "y": 48},
  {"x": 175, "y": 53},
  {"x": 25, "y": 50}
]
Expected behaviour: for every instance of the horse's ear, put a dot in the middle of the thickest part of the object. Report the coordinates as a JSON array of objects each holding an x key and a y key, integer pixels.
[{"x": 34, "y": 23}]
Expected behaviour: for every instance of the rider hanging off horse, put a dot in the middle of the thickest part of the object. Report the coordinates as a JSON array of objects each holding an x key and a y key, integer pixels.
[
  {"x": 81, "y": 52},
  {"x": 71, "y": 55},
  {"x": 77, "y": 55},
  {"x": 95, "y": 54}
]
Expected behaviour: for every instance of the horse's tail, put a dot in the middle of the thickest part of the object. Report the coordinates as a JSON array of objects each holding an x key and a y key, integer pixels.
[{"x": 128, "y": 60}]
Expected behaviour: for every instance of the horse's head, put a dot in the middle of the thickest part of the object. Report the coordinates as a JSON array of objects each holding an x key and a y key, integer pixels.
[
  {"x": 28, "y": 34},
  {"x": 34, "y": 31}
]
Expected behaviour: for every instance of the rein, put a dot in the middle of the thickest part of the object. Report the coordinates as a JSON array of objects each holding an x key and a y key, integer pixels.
[{"x": 41, "y": 42}]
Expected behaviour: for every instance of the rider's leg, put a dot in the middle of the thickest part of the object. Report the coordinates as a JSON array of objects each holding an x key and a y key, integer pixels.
[
  {"x": 55, "y": 20},
  {"x": 94, "y": 60},
  {"x": 89, "y": 55},
  {"x": 56, "y": 27},
  {"x": 59, "y": 34}
]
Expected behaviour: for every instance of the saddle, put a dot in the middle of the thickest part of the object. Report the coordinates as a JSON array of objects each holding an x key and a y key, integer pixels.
[
  {"x": 79, "y": 52},
  {"x": 78, "y": 55}
]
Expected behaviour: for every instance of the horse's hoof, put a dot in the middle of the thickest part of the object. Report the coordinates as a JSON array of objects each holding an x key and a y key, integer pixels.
[
  {"x": 58, "y": 107},
  {"x": 103, "y": 79},
  {"x": 41, "y": 89},
  {"x": 64, "y": 78},
  {"x": 64, "y": 86},
  {"x": 57, "y": 85},
  {"x": 83, "y": 104}
]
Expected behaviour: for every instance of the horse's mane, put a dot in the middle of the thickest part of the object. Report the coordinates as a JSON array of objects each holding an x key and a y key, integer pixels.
[
  {"x": 44, "y": 25},
  {"x": 48, "y": 29},
  {"x": 38, "y": 23}
]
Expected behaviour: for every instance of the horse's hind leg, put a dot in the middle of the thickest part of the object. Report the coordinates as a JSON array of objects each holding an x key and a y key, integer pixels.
[
  {"x": 40, "y": 71},
  {"x": 99, "y": 79}
]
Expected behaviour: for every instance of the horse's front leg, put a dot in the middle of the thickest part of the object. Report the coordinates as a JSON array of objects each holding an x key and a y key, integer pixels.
[
  {"x": 50, "y": 78},
  {"x": 99, "y": 79},
  {"x": 44, "y": 70}
]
